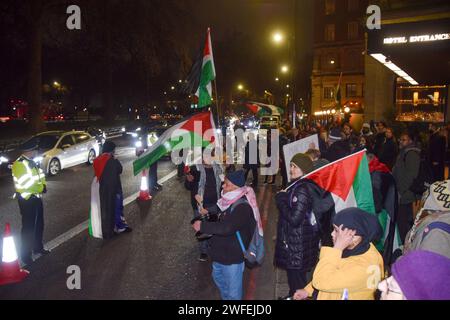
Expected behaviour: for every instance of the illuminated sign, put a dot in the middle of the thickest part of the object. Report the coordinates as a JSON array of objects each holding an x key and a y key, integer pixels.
[{"x": 420, "y": 38}]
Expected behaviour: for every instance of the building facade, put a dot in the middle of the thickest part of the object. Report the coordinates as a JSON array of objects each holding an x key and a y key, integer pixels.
[
  {"x": 339, "y": 48},
  {"x": 408, "y": 63}
]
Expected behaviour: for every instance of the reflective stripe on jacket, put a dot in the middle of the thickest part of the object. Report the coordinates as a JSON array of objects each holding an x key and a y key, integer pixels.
[{"x": 28, "y": 178}]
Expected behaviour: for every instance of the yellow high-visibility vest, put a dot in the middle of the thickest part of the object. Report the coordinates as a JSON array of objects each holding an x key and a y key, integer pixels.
[{"x": 28, "y": 178}]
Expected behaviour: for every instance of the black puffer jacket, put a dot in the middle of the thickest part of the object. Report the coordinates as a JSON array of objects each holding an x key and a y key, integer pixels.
[{"x": 297, "y": 245}]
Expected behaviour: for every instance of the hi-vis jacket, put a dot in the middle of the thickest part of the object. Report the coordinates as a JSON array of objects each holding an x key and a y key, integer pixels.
[{"x": 28, "y": 178}]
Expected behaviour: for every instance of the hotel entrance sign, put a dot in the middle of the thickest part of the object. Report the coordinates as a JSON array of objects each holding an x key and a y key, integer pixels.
[{"x": 419, "y": 38}]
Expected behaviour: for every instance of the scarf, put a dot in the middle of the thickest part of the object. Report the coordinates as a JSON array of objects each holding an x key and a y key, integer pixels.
[{"x": 229, "y": 198}]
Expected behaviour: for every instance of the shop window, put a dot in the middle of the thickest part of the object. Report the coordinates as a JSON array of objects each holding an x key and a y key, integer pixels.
[
  {"x": 330, "y": 7},
  {"x": 329, "y": 32},
  {"x": 421, "y": 103},
  {"x": 351, "y": 90},
  {"x": 353, "y": 30},
  {"x": 328, "y": 93},
  {"x": 352, "y": 5}
]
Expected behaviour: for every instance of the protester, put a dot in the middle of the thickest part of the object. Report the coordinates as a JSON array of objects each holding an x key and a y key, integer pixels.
[
  {"x": 418, "y": 275},
  {"x": 386, "y": 206},
  {"x": 365, "y": 143},
  {"x": 204, "y": 182},
  {"x": 108, "y": 170},
  {"x": 316, "y": 158},
  {"x": 252, "y": 159},
  {"x": 379, "y": 138},
  {"x": 365, "y": 131},
  {"x": 436, "y": 153},
  {"x": 431, "y": 229},
  {"x": 389, "y": 149},
  {"x": 297, "y": 243},
  {"x": 337, "y": 147},
  {"x": 347, "y": 266},
  {"x": 406, "y": 169},
  {"x": 239, "y": 213}
]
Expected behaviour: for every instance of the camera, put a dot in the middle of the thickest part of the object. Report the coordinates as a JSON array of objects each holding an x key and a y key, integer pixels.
[{"x": 204, "y": 218}]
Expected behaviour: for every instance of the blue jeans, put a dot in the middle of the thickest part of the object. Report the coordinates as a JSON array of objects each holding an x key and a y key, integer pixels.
[
  {"x": 118, "y": 218},
  {"x": 228, "y": 279}
]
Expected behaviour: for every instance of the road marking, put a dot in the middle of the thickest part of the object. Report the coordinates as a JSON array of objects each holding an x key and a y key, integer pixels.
[{"x": 52, "y": 244}]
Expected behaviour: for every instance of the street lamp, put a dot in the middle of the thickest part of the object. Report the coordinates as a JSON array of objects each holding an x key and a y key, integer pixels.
[
  {"x": 240, "y": 87},
  {"x": 277, "y": 37},
  {"x": 284, "y": 69},
  {"x": 277, "y": 79}
]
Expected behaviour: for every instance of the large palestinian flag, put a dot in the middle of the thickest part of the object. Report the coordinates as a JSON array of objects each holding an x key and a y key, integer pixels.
[
  {"x": 343, "y": 184},
  {"x": 348, "y": 181},
  {"x": 196, "y": 131}
]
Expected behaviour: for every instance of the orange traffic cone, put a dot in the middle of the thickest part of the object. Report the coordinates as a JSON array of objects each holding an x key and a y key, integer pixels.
[
  {"x": 144, "y": 194},
  {"x": 10, "y": 271}
]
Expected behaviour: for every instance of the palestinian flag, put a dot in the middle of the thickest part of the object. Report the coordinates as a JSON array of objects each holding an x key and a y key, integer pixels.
[
  {"x": 348, "y": 182},
  {"x": 189, "y": 133},
  {"x": 208, "y": 74},
  {"x": 262, "y": 109}
]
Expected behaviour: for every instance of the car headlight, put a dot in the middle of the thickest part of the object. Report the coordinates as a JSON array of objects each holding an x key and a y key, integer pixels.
[
  {"x": 38, "y": 159},
  {"x": 123, "y": 129},
  {"x": 3, "y": 159},
  {"x": 138, "y": 144}
]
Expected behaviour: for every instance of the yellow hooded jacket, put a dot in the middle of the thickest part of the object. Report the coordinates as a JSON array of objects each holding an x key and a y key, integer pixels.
[{"x": 359, "y": 274}]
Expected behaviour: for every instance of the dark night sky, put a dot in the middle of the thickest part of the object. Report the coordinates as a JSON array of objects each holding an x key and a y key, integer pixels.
[{"x": 258, "y": 19}]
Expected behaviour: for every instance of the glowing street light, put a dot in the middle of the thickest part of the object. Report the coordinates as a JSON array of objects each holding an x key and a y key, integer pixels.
[
  {"x": 287, "y": 86},
  {"x": 284, "y": 69},
  {"x": 277, "y": 79},
  {"x": 240, "y": 87},
  {"x": 172, "y": 87},
  {"x": 346, "y": 109},
  {"x": 277, "y": 37}
]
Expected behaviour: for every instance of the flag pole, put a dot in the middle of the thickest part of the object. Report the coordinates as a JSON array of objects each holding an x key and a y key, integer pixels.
[{"x": 217, "y": 103}]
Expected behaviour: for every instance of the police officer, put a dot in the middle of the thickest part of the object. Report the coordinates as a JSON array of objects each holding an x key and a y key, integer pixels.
[{"x": 29, "y": 182}]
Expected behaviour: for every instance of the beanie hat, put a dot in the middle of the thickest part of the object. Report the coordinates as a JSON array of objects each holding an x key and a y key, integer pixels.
[
  {"x": 108, "y": 146},
  {"x": 237, "y": 178},
  {"x": 335, "y": 134},
  {"x": 423, "y": 275},
  {"x": 437, "y": 197},
  {"x": 304, "y": 162}
]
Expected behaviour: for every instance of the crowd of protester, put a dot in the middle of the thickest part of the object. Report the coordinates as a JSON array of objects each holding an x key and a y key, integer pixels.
[{"x": 335, "y": 256}]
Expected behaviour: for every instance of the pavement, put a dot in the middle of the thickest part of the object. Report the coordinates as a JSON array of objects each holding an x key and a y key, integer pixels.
[{"x": 157, "y": 261}]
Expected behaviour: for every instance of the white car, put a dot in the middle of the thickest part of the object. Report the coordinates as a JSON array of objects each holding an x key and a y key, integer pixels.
[{"x": 59, "y": 150}]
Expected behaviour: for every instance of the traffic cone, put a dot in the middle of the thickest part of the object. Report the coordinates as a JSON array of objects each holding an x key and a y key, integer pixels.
[
  {"x": 10, "y": 271},
  {"x": 144, "y": 194}
]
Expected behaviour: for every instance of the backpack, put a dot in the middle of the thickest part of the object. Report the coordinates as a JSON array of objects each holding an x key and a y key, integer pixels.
[
  {"x": 254, "y": 254},
  {"x": 424, "y": 178},
  {"x": 425, "y": 239}
]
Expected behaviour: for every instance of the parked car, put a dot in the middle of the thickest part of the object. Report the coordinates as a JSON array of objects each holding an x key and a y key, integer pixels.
[{"x": 57, "y": 150}]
